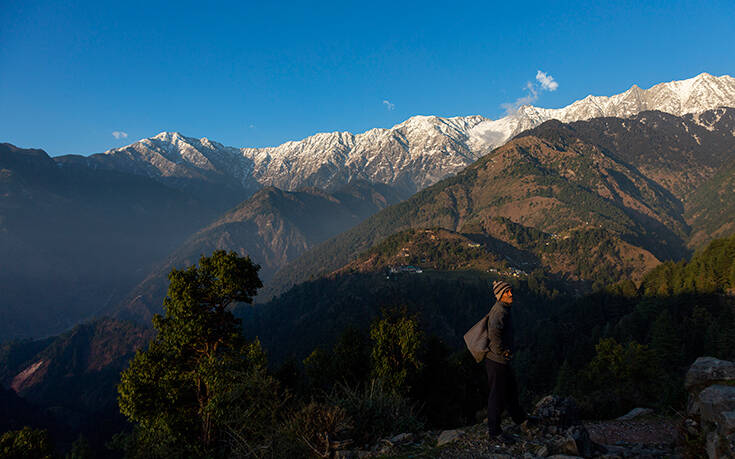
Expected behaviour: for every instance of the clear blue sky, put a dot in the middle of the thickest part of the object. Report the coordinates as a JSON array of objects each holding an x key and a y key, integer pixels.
[{"x": 258, "y": 74}]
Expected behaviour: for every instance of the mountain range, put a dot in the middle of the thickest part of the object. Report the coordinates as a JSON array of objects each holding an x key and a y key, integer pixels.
[
  {"x": 562, "y": 209},
  {"x": 83, "y": 236},
  {"x": 638, "y": 180},
  {"x": 559, "y": 202},
  {"x": 411, "y": 155}
]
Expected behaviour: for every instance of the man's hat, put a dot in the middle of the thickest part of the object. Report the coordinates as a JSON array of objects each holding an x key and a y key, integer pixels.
[{"x": 500, "y": 287}]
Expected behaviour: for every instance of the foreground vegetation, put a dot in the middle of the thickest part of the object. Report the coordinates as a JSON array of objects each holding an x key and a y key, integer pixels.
[{"x": 201, "y": 388}]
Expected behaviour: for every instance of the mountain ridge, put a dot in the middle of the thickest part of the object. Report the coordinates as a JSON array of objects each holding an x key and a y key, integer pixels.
[{"x": 413, "y": 154}]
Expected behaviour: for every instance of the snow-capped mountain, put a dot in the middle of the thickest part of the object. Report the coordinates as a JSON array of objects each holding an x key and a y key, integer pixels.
[
  {"x": 411, "y": 155},
  {"x": 694, "y": 95}
]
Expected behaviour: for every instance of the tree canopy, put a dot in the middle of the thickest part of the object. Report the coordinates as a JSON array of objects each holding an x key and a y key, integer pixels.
[{"x": 184, "y": 392}]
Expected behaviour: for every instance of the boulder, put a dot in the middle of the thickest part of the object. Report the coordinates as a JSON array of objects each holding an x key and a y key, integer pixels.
[
  {"x": 401, "y": 438},
  {"x": 566, "y": 445},
  {"x": 448, "y": 436},
  {"x": 708, "y": 370},
  {"x": 711, "y": 407},
  {"x": 713, "y": 401},
  {"x": 576, "y": 442},
  {"x": 728, "y": 422},
  {"x": 635, "y": 413},
  {"x": 556, "y": 410}
]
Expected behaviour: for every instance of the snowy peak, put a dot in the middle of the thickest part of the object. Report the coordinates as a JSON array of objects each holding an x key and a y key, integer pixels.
[{"x": 693, "y": 95}]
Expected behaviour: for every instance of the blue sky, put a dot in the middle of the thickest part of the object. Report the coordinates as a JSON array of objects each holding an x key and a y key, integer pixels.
[{"x": 259, "y": 73}]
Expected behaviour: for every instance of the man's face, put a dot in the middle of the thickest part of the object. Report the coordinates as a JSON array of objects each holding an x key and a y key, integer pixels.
[{"x": 507, "y": 297}]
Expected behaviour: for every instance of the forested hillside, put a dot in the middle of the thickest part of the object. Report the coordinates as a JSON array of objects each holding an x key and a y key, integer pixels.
[{"x": 615, "y": 349}]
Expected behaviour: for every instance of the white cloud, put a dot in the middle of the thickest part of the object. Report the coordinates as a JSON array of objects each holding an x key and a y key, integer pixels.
[
  {"x": 389, "y": 105},
  {"x": 120, "y": 135},
  {"x": 547, "y": 81},
  {"x": 530, "y": 97}
]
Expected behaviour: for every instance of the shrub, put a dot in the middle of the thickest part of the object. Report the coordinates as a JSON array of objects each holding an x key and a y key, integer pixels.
[
  {"x": 26, "y": 443},
  {"x": 375, "y": 411},
  {"x": 319, "y": 427}
]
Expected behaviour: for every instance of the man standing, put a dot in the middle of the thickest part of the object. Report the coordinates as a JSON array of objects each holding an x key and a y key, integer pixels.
[{"x": 503, "y": 388}]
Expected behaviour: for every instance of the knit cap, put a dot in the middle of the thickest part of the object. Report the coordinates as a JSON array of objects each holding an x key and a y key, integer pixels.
[{"x": 500, "y": 287}]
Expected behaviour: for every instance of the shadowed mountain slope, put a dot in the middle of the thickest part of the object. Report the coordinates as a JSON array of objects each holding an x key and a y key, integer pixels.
[
  {"x": 73, "y": 239},
  {"x": 272, "y": 227}
]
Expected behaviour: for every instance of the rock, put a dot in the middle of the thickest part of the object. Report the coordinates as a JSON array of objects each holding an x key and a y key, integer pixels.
[
  {"x": 712, "y": 441},
  {"x": 448, "y": 436},
  {"x": 708, "y": 370},
  {"x": 347, "y": 454},
  {"x": 711, "y": 406},
  {"x": 576, "y": 441},
  {"x": 542, "y": 452},
  {"x": 635, "y": 413},
  {"x": 567, "y": 445},
  {"x": 727, "y": 426},
  {"x": 691, "y": 426},
  {"x": 401, "y": 438},
  {"x": 581, "y": 438},
  {"x": 555, "y": 410},
  {"x": 714, "y": 400}
]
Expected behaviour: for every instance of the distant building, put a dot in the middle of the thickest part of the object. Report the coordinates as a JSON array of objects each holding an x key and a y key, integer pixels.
[{"x": 406, "y": 269}]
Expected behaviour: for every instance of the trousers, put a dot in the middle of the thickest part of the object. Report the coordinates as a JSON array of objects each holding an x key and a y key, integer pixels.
[{"x": 503, "y": 396}]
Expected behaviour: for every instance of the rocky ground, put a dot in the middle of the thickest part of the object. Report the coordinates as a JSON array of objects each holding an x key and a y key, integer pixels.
[
  {"x": 651, "y": 438},
  {"x": 706, "y": 429},
  {"x": 648, "y": 437}
]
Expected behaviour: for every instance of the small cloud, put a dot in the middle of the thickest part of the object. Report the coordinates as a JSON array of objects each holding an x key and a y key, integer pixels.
[
  {"x": 547, "y": 81},
  {"x": 120, "y": 135},
  {"x": 389, "y": 105},
  {"x": 530, "y": 97}
]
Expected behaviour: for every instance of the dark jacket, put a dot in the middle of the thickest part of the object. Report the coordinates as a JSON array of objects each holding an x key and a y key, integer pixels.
[{"x": 500, "y": 333}]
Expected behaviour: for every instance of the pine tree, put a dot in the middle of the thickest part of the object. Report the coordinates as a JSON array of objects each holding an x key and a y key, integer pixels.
[
  {"x": 181, "y": 391},
  {"x": 666, "y": 342},
  {"x": 396, "y": 343}
]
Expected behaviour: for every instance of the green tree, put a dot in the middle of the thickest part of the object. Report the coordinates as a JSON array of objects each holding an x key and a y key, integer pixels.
[
  {"x": 80, "y": 449},
  {"x": 396, "y": 343},
  {"x": 666, "y": 343},
  {"x": 180, "y": 390},
  {"x": 619, "y": 377},
  {"x": 565, "y": 379},
  {"x": 26, "y": 443}
]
